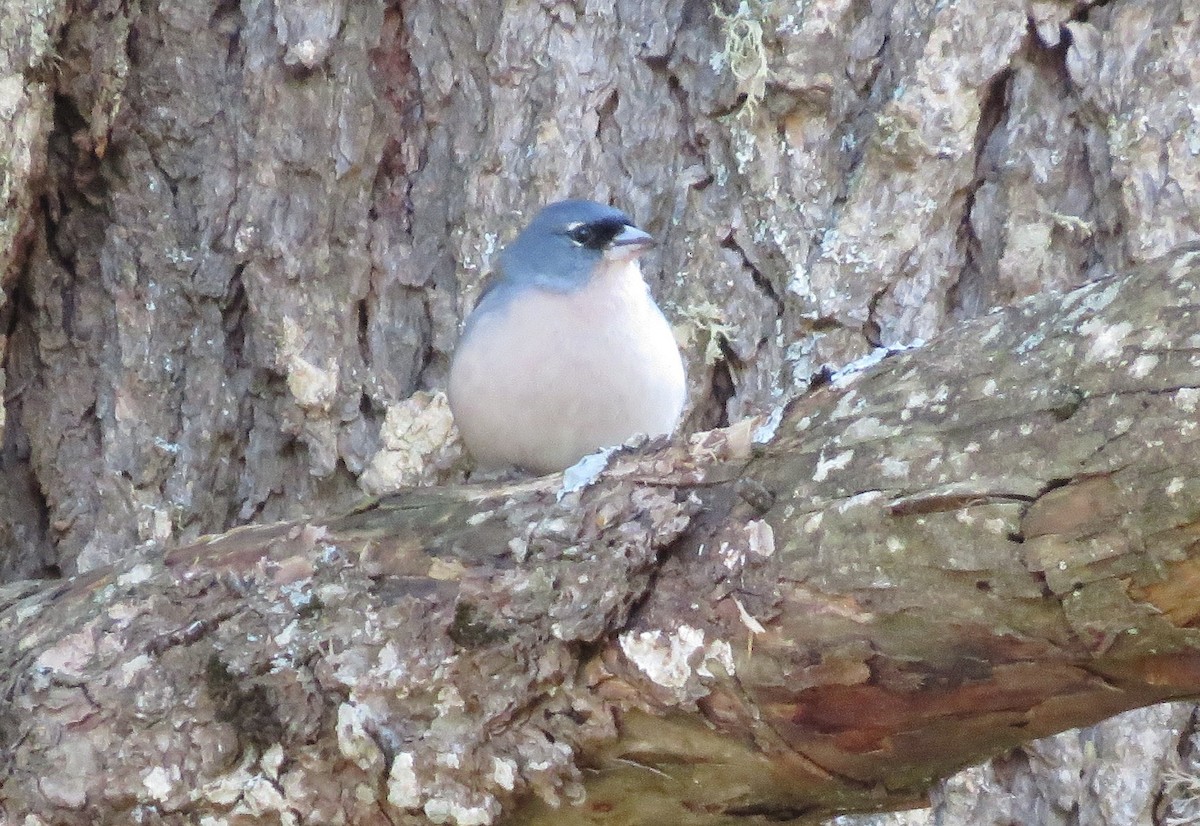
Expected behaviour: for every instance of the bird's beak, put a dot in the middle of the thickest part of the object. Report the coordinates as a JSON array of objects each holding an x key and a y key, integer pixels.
[{"x": 629, "y": 243}]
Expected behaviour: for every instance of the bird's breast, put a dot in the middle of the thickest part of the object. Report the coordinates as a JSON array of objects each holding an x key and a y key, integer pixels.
[{"x": 549, "y": 377}]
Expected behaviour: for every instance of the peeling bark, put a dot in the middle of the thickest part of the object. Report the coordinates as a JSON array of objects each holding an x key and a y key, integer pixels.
[{"x": 965, "y": 547}]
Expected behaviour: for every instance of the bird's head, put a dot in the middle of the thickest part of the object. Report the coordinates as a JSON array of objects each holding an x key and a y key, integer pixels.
[{"x": 565, "y": 243}]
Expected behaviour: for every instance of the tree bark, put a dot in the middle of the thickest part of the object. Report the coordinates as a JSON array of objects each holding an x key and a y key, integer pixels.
[
  {"x": 917, "y": 567},
  {"x": 237, "y": 240}
]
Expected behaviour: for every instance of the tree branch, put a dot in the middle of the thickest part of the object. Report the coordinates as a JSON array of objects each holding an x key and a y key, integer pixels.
[{"x": 971, "y": 545}]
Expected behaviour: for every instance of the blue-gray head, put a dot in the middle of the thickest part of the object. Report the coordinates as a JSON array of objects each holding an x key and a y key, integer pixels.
[{"x": 565, "y": 242}]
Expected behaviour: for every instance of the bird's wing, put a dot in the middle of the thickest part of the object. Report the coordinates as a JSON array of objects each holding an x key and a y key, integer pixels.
[{"x": 490, "y": 282}]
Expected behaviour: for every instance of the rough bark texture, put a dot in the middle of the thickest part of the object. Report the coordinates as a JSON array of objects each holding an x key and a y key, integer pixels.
[
  {"x": 446, "y": 652},
  {"x": 237, "y": 238}
]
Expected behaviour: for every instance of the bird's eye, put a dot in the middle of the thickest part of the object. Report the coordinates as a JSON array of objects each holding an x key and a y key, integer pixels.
[{"x": 583, "y": 234}]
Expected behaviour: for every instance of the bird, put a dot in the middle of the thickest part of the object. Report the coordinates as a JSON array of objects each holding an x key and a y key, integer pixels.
[{"x": 566, "y": 351}]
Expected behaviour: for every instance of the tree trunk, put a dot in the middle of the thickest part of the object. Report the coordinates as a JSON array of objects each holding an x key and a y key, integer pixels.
[{"x": 236, "y": 244}]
